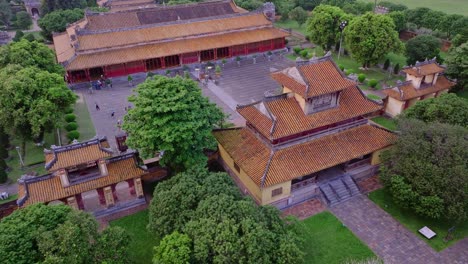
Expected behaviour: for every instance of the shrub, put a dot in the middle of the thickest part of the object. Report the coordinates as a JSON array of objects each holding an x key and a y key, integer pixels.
[
  {"x": 396, "y": 70},
  {"x": 73, "y": 135},
  {"x": 148, "y": 74},
  {"x": 129, "y": 78},
  {"x": 386, "y": 64},
  {"x": 238, "y": 58},
  {"x": 297, "y": 50},
  {"x": 69, "y": 110},
  {"x": 304, "y": 53},
  {"x": 3, "y": 152},
  {"x": 71, "y": 126},
  {"x": 361, "y": 77},
  {"x": 29, "y": 37},
  {"x": 373, "y": 83},
  {"x": 3, "y": 176},
  {"x": 18, "y": 36},
  {"x": 223, "y": 61},
  {"x": 70, "y": 118},
  {"x": 168, "y": 72},
  {"x": 341, "y": 67}
]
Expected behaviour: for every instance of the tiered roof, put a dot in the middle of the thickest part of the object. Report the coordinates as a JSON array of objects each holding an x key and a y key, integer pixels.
[{"x": 424, "y": 68}]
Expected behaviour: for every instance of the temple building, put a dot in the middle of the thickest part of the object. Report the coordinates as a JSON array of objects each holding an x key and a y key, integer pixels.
[
  {"x": 423, "y": 80},
  {"x": 85, "y": 169},
  {"x": 312, "y": 140},
  {"x": 140, "y": 40}
]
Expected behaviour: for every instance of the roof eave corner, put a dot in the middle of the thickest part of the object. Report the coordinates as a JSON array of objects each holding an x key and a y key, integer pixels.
[{"x": 265, "y": 173}]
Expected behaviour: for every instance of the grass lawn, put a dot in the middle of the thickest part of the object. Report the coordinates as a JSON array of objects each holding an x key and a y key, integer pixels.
[
  {"x": 291, "y": 24},
  {"x": 447, "y": 6},
  {"x": 373, "y": 97},
  {"x": 414, "y": 222},
  {"x": 142, "y": 243},
  {"x": 85, "y": 124},
  {"x": 385, "y": 122},
  {"x": 327, "y": 240},
  {"x": 11, "y": 198}
]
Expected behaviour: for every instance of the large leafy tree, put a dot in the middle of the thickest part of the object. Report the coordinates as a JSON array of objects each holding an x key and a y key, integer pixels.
[
  {"x": 399, "y": 18},
  {"x": 172, "y": 115},
  {"x": 57, "y": 21},
  {"x": 53, "y": 5},
  {"x": 32, "y": 101},
  {"x": 59, "y": 234},
  {"x": 457, "y": 65},
  {"x": 29, "y": 53},
  {"x": 23, "y": 20},
  {"x": 307, "y": 4},
  {"x": 214, "y": 224},
  {"x": 370, "y": 37},
  {"x": 426, "y": 170},
  {"x": 447, "y": 108},
  {"x": 422, "y": 47},
  {"x": 5, "y": 12},
  {"x": 323, "y": 26},
  {"x": 298, "y": 14}
]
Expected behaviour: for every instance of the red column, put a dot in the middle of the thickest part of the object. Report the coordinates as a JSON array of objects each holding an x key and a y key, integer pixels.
[
  {"x": 87, "y": 75},
  {"x": 79, "y": 201},
  {"x": 215, "y": 52},
  {"x": 131, "y": 186},
  {"x": 163, "y": 62},
  {"x": 144, "y": 65},
  {"x": 102, "y": 199},
  {"x": 229, "y": 52},
  {"x": 114, "y": 192},
  {"x": 245, "y": 50}
]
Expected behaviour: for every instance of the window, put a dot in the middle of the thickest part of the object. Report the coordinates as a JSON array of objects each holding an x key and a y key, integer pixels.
[
  {"x": 236, "y": 167},
  {"x": 277, "y": 192}
]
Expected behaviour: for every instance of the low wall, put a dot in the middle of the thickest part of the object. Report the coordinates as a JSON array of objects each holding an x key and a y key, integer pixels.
[{"x": 8, "y": 208}]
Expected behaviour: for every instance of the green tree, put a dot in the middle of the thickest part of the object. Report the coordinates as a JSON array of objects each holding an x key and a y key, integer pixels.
[
  {"x": 18, "y": 35},
  {"x": 5, "y": 12},
  {"x": 460, "y": 39},
  {"x": 249, "y": 4},
  {"x": 338, "y": 3},
  {"x": 399, "y": 18},
  {"x": 358, "y": 8},
  {"x": 172, "y": 115},
  {"x": 32, "y": 101},
  {"x": 447, "y": 108},
  {"x": 426, "y": 170},
  {"x": 53, "y": 5},
  {"x": 416, "y": 15},
  {"x": 457, "y": 66},
  {"x": 23, "y": 20},
  {"x": 175, "y": 248},
  {"x": 370, "y": 37},
  {"x": 432, "y": 19},
  {"x": 298, "y": 14},
  {"x": 449, "y": 24},
  {"x": 57, "y": 21},
  {"x": 422, "y": 47},
  {"x": 392, "y": 6},
  {"x": 25, "y": 53},
  {"x": 323, "y": 26},
  {"x": 112, "y": 246},
  {"x": 57, "y": 234},
  {"x": 307, "y": 4}
]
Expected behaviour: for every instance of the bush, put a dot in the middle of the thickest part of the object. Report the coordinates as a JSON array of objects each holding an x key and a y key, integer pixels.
[
  {"x": 297, "y": 50},
  {"x": 70, "y": 118},
  {"x": 18, "y": 36},
  {"x": 372, "y": 83},
  {"x": 341, "y": 67},
  {"x": 396, "y": 69},
  {"x": 73, "y": 135},
  {"x": 69, "y": 110},
  {"x": 304, "y": 53},
  {"x": 3, "y": 152},
  {"x": 386, "y": 64},
  {"x": 29, "y": 37},
  {"x": 3, "y": 176},
  {"x": 71, "y": 126},
  {"x": 23, "y": 20},
  {"x": 361, "y": 77}
]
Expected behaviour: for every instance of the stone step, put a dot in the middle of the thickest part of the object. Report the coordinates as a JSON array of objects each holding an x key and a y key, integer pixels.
[
  {"x": 329, "y": 194},
  {"x": 340, "y": 189},
  {"x": 349, "y": 182}
]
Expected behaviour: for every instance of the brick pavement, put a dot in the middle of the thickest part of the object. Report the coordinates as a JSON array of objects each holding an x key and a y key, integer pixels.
[
  {"x": 389, "y": 239},
  {"x": 305, "y": 209},
  {"x": 370, "y": 184}
]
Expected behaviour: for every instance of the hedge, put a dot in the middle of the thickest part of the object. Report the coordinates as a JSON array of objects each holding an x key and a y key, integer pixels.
[
  {"x": 73, "y": 135},
  {"x": 70, "y": 118},
  {"x": 71, "y": 126}
]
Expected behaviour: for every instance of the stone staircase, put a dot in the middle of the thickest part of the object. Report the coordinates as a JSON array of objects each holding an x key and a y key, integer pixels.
[{"x": 338, "y": 190}]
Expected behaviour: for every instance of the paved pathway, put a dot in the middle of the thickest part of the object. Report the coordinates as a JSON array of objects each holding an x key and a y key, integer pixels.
[{"x": 389, "y": 239}]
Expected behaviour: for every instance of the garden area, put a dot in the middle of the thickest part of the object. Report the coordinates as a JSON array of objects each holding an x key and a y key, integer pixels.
[
  {"x": 386, "y": 122},
  {"x": 414, "y": 222}
]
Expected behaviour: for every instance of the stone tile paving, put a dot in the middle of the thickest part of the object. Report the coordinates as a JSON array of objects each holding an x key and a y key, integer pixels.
[
  {"x": 389, "y": 239},
  {"x": 305, "y": 209},
  {"x": 370, "y": 184}
]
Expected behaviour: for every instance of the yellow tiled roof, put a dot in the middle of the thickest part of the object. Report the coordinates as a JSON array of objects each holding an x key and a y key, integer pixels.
[
  {"x": 423, "y": 70},
  {"x": 407, "y": 91}
]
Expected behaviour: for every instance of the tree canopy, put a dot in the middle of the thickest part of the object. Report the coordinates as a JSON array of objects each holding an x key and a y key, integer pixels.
[
  {"x": 457, "y": 66},
  {"x": 426, "y": 170},
  {"x": 57, "y": 21},
  {"x": 29, "y": 53},
  {"x": 5, "y": 12},
  {"x": 371, "y": 37},
  {"x": 204, "y": 214},
  {"x": 298, "y": 14},
  {"x": 23, "y": 20},
  {"x": 399, "y": 18},
  {"x": 59, "y": 234},
  {"x": 32, "y": 100},
  {"x": 53, "y": 5},
  {"x": 422, "y": 47},
  {"x": 172, "y": 115},
  {"x": 323, "y": 26},
  {"x": 447, "y": 108}
]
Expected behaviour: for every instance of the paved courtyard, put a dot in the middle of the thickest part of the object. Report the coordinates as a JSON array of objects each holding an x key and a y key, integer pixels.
[{"x": 238, "y": 85}]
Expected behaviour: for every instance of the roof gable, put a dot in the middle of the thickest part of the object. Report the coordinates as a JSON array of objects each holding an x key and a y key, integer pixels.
[{"x": 406, "y": 90}]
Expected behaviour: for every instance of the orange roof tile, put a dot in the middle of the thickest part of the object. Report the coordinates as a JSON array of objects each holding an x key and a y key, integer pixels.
[
  {"x": 424, "y": 69},
  {"x": 63, "y": 47},
  {"x": 170, "y": 32},
  {"x": 302, "y": 159},
  {"x": 142, "y": 52},
  {"x": 290, "y": 118},
  {"x": 407, "y": 91},
  {"x": 75, "y": 154},
  {"x": 316, "y": 77},
  {"x": 49, "y": 187}
]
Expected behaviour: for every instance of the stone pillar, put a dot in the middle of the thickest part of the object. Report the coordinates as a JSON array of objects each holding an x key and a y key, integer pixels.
[
  {"x": 114, "y": 192},
  {"x": 131, "y": 186},
  {"x": 139, "y": 188},
  {"x": 103, "y": 167},
  {"x": 79, "y": 201},
  {"x": 62, "y": 174},
  {"x": 109, "y": 196},
  {"x": 71, "y": 201},
  {"x": 102, "y": 198}
]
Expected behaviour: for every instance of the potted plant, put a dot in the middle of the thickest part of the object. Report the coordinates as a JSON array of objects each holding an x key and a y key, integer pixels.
[
  {"x": 223, "y": 61},
  {"x": 254, "y": 59},
  {"x": 269, "y": 55},
  {"x": 130, "y": 80},
  {"x": 238, "y": 59},
  {"x": 218, "y": 71},
  {"x": 168, "y": 72}
]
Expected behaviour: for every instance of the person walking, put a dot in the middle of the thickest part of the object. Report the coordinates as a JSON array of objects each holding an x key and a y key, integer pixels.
[
  {"x": 112, "y": 114},
  {"x": 97, "y": 107}
]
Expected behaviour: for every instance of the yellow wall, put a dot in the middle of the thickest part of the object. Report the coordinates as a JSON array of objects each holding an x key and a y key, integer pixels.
[
  {"x": 432, "y": 95},
  {"x": 415, "y": 80},
  {"x": 429, "y": 78},
  {"x": 375, "y": 159},
  {"x": 243, "y": 177},
  {"x": 266, "y": 192},
  {"x": 394, "y": 107},
  {"x": 413, "y": 101},
  {"x": 299, "y": 98}
]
